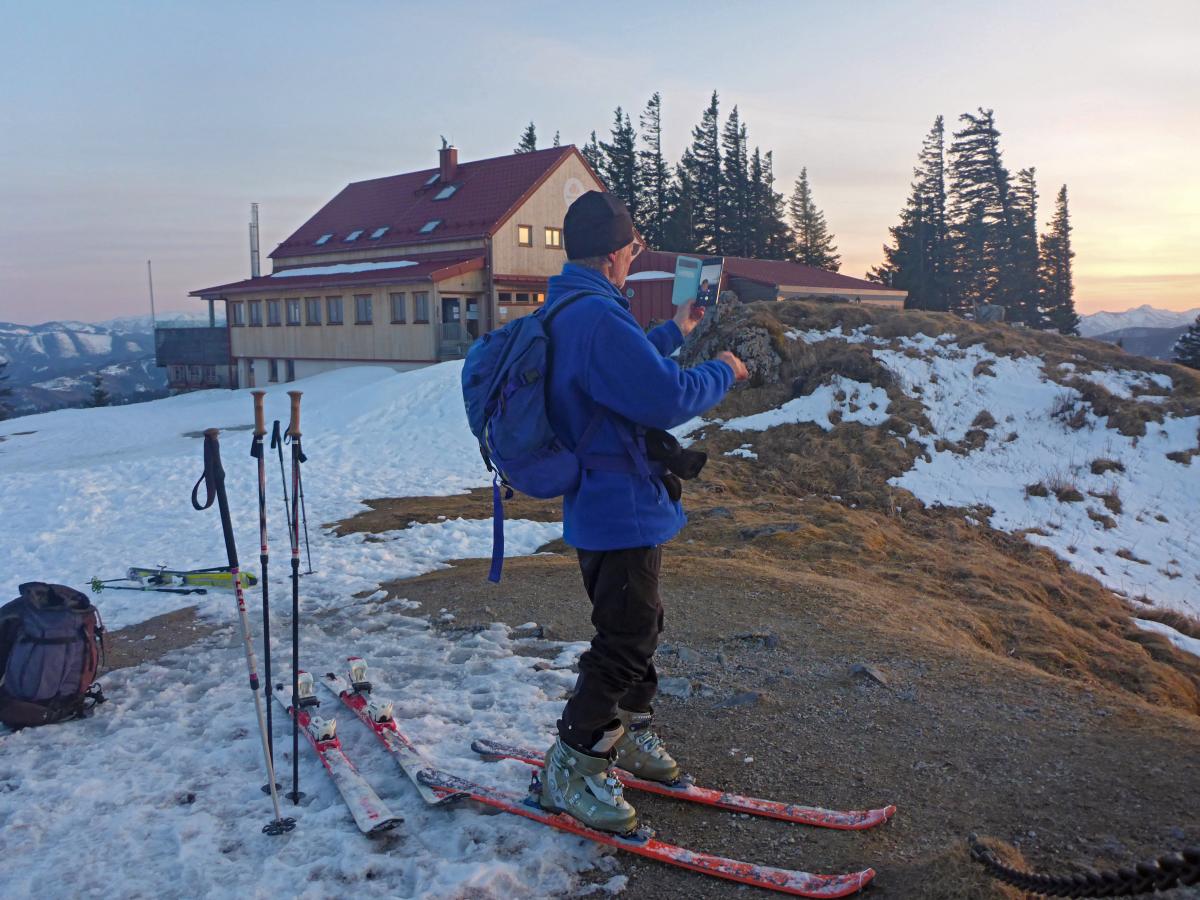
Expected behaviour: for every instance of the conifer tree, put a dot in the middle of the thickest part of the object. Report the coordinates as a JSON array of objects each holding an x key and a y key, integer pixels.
[
  {"x": 702, "y": 162},
  {"x": 679, "y": 230},
  {"x": 776, "y": 237},
  {"x": 594, "y": 155},
  {"x": 813, "y": 242},
  {"x": 1057, "y": 284},
  {"x": 1026, "y": 300},
  {"x": 100, "y": 397},
  {"x": 528, "y": 142},
  {"x": 620, "y": 164},
  {"x": 918, "y": 260},
  {"x": 654, "y": 176},
  {"x": 980, "y": 216},
  {"x": 734, "y": 194},
  {"x": 5, "y": 392},
  {"x": 1187, "y": 348}
]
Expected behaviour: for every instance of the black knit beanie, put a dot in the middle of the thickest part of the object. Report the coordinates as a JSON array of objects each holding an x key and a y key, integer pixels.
[{"x": 596, "y": 225}]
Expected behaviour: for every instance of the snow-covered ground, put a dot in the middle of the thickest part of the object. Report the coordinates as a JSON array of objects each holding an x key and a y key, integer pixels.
[{"x": 166, "y": 775}]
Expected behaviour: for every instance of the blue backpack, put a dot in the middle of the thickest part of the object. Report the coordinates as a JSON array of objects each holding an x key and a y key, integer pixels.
[{"x": 504, "y": 387}]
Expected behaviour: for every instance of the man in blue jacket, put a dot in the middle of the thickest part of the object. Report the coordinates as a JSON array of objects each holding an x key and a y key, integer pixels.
[{"x": 609, "y": 383}]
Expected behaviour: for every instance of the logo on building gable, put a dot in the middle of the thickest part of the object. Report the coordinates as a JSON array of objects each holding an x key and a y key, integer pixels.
[{"x": 572, "y": 191}]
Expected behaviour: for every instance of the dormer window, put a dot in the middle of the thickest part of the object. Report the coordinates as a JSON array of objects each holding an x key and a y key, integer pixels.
[
  {"x": 430, "y": 225},
  {"x": 322, "y": 239},
  {"x": 433, "y": 179},
  {"x": 446, "y": 193},
  {"x": 379, "y": 232},
  {"x": 353, "y": 236}
]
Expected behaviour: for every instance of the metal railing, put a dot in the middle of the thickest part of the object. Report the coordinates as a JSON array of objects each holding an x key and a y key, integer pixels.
[{"x": 453, "y": 340}]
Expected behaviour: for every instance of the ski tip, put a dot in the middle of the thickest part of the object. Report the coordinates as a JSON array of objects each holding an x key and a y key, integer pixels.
[
  {"x": 889, "y": 811},
  {"x": 484, "y": 749},
  {"x": 386, "y": 825}
]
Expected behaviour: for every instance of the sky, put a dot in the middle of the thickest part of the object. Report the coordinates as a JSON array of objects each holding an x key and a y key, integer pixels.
[{"x": 135, "y": 131}]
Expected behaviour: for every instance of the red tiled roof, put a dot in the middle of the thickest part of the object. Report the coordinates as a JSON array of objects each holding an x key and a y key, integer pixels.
[
  {"x": 765, "y": 271},
  {"x": 488, "y": 189},
  {"x": 429, "y": 267}
]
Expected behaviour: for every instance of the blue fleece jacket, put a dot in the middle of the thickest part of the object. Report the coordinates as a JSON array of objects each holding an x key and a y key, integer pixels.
[{"x": 601, "y": 357}]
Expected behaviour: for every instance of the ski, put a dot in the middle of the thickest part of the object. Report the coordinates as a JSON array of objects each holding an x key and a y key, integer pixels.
[
  {"x": 643, "y": 843},
  {"x": 371, "y": 814},
  {"x": 219, "y": 576},
  {"x": 377, "y": 715},
  {"x": 844, "y": 820}
]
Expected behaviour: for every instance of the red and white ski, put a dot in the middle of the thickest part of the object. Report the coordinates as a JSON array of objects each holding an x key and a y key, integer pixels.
[
  {"x": 643, "y": 843},
  {"x": 845, "y": 820},
  {"x": 371, "y": 814},
  {"x": 377, "y": 715}
]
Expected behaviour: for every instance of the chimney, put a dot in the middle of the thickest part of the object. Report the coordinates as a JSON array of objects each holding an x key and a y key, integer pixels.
[
  {"x": 448, "y": 161},
  {"x": 254, "y": 269}
]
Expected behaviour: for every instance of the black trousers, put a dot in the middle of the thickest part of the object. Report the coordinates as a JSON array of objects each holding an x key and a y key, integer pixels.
[{"x": 618, "y": 669}]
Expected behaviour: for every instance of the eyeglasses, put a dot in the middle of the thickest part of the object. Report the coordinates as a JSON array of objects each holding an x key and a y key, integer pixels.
[{"x": 637, "y": 248}]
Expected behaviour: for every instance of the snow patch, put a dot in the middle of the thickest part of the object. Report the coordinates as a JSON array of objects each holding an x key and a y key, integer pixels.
[
  {"x": 343, "y": 268},
  {"x": 853, "y": 400}
]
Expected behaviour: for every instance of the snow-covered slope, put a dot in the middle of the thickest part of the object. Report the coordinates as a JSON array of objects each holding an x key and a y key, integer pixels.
[{"x": 1145, "y": 316}]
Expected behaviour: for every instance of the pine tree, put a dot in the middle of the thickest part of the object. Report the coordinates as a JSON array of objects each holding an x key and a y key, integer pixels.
[
  {"x": 702, "y": 162},
  {"x": 1057, "y": 306},
  {"x": 1026, "y": 300},
  {"x": 734, "y": 193},
  {"x": 5, "y": 392},
  {"x": 528, "y": 142},
  {"x": 619, "y": 163},
  {"x": 100, "y": 397},
  {"x": 654, "y": 176},
  {"x": 980, "y": 216},
  {"x": 1187, "y": 348},
  {"x": 918, "y": 261},
  {"x": 769, "y": 236},
  {"x": 594, "y": 156},
  {"x": 814, "y": 243},
  {"x": 679, "y": 231},
  {"x": 557, "y": 139}
]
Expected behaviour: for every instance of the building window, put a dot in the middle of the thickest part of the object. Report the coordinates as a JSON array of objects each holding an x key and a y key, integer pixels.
[
  {"x": 522, "y": 297},
  {"x": 421, "y": 307},
  {"x": 291, "y": 370},
  {"x": 179, "y": 374},
  {"x": 323, "y": 239},
  {"x": 272, "y": 370},
  {"x": 353, "y": 236},
  {"x": 333, "y": 310},
  {"x": 379, "y": 232},
  {"x": 430, "y": 225},
  {"x": 398, "y": 309},
  {"x": 505, "y": 296},
  {"x": 210, "y": 374},
  {"x": 539, "y": 298},
  {"x": 446, "y": 193},
  {"x": 554, "y": 238},
  {"x": 362, "y": 309},
  {"x": 237, "y": 314},
  {"x": 312, "y": 310},
  {"x": 255, "y": 313},
  {"x": 273, "y": 317},
  {"x": 524, "y": 235},
  {"x": 195, "y": 374},
  {"x": 293, "y": 312}
]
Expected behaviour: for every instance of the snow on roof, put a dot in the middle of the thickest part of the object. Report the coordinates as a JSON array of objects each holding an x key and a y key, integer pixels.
[
  {"x": 649, "y": 276},
  {"x": 343, "y": 268}
]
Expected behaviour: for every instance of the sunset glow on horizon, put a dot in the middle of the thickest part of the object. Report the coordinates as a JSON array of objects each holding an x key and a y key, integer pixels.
[{"x": 138, "y": 130}]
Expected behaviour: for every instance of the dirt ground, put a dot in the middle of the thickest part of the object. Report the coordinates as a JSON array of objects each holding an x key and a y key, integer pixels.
[{"x": 1065, "y": 771}]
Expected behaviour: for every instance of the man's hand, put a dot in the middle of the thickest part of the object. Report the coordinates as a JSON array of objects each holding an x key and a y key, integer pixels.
[
  {"x": 739, "y": 367},
  {"x": 688, "y": 316}
]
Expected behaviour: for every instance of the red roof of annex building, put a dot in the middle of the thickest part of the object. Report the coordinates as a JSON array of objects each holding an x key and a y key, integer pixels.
[
  {"x": 776, "y": 272},
  {"x": 400, "y": 208},
  {"x": 399, "y": 270}
]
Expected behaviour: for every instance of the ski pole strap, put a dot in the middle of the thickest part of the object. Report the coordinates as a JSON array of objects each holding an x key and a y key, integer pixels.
[
  {"x": 213, "y": 473},
  {"x": 275, "y": 439},
  {"x": 497, "y": 531},
  {"x": 256, "y": 446}
]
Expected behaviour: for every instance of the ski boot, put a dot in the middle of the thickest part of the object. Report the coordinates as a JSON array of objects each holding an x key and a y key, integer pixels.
[
  {"x": 580, "y": 785},
  {"x": 640, "y": 751}
]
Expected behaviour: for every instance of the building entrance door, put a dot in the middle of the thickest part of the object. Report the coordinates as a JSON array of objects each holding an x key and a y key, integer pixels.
[
  {"x": 473, "y": 317},
  {"x": 451, "y": 318}
]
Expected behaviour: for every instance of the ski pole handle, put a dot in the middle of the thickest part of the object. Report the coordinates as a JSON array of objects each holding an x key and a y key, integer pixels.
[
  {"x": 294, "y": 425},
  {"x": 260, "y": 422}
]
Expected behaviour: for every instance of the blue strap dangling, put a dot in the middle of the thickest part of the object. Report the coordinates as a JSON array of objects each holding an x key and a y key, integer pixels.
[{"x": 497, "y": 531}]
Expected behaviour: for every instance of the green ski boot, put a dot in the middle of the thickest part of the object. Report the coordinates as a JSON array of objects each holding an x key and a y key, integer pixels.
[
  {"x": 580, "y": 785},
  {"x": 640, "y": 751}
]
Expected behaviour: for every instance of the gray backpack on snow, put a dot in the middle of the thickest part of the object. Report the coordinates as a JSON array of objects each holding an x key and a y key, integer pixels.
[{"x": 51, "y": 647}]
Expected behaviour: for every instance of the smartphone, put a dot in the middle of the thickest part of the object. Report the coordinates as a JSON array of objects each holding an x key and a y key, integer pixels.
[{"x": 687, "y": 279}]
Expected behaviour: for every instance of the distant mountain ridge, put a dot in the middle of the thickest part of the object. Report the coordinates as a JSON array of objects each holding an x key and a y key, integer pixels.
[
  {"x": 53, "y": 365},
  {"x": 1144, "y": 316}
]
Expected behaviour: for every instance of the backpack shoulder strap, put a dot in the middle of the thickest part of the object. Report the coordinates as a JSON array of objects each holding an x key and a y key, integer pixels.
[{"x": 562, "y": 303}]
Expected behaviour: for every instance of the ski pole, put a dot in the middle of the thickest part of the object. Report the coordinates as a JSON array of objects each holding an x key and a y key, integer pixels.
[
  {"x": 256, "y": 451},
  {"x": 293, "y": 434},
  {"x": 304, "y": 519},
  {"x": 213, "y": 480},
  {"x": 98, "y": 586},
  {"x": 277, "y": 445}
]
